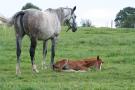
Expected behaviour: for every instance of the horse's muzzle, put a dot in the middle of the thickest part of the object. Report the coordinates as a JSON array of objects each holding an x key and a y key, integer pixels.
[{"x": 74, "y": 29}]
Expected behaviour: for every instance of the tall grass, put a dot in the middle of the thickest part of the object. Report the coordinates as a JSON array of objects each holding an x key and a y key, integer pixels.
[{"x": 115, "y": 46}]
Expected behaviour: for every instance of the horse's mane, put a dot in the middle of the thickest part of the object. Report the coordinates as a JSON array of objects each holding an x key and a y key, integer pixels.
[{"x": 59, "y": 11}]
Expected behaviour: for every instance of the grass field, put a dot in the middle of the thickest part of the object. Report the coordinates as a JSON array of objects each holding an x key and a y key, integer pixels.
[{"x": 115, "y": 46}]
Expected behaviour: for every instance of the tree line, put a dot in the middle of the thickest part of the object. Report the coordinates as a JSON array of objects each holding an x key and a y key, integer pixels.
[{"x": 125, "y": 18}]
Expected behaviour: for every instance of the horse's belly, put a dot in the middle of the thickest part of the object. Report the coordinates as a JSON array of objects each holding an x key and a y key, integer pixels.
[
  {"x": 46, "y": 26},
  {"x": 44, "y": 35},
  {"x": 48, "y": 30}
]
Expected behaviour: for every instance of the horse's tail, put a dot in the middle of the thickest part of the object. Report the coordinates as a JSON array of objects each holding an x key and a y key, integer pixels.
[
  {"x": 4, "y": 20},
  {"x": 17, "y": 21},
  {"x": 14, "y": 19}
]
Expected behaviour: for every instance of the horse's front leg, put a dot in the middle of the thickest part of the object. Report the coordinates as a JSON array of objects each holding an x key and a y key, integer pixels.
[
  {"x": 32, "y": 54},
  {"x": 44, "y": 54},
  {"x": 53, "y": 40}
]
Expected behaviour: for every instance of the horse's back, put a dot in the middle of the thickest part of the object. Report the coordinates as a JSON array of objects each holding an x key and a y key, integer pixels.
[{"x": 41, "y": 24}]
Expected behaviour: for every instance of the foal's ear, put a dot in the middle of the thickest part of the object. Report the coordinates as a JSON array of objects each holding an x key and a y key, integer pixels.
[
  {"x": 97, "y": 57},
  {"x": 74, "y": 8}
]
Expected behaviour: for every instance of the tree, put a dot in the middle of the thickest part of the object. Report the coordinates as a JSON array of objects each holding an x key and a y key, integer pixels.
[
  {"x": 125, "y": 18},
  {"x": 86, "y": 23},
  {"x": 30, "y": 5}
]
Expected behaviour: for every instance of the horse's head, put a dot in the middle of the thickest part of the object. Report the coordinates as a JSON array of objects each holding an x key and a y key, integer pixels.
[{"x": 70, "y": 19}]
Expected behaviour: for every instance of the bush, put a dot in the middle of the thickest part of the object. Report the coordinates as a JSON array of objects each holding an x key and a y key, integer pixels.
[
  {"x": 30, "y": 5},
  {"x": 86, "y": 23}
]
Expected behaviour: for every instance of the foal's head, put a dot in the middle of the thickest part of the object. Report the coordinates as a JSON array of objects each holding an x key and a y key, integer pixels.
[
  {"x": 94, "y": 62},
  {"x": 99, "y": 63}
]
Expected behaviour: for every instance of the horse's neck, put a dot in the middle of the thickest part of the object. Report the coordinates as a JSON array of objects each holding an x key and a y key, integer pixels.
[{"x": 62, "y": 14}]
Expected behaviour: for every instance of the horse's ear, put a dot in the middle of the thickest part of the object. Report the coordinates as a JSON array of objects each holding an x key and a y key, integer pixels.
[{"x": 74, "y": 8}]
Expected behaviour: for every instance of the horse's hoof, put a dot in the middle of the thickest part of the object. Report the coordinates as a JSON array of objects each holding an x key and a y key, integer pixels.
[
  {"x": 18, "y": 73},
  {"x": 51, "y": 66},
  {"x": 34, "y": 69},
  {"x": 44, "y": 67}
]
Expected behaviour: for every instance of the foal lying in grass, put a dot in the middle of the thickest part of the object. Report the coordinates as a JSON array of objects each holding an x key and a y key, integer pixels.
[{"x": 78, "y": 65}]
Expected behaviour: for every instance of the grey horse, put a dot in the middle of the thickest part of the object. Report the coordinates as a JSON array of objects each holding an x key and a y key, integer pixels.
[{"x": 41, "y": 25}]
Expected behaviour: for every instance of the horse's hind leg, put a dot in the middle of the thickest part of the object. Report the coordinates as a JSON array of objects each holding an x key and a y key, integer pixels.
[
  {"x": 44, "y": 54},
  {"x": 18, "y": 53},
  {"x": 32, "y": 54}
]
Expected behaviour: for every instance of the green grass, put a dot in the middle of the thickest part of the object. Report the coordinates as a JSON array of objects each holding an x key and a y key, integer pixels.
[{"x": 115, "y": 46}]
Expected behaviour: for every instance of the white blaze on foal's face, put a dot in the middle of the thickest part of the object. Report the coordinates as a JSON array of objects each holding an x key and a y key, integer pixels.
[{"x": 100, "y": 66}]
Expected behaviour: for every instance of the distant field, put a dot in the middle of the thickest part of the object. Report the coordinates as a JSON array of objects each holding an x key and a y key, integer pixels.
[{"x": 115, "y": 46}]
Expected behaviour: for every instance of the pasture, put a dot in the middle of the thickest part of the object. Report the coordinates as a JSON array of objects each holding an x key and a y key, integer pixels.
[{"x": 116, "y": 47}]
